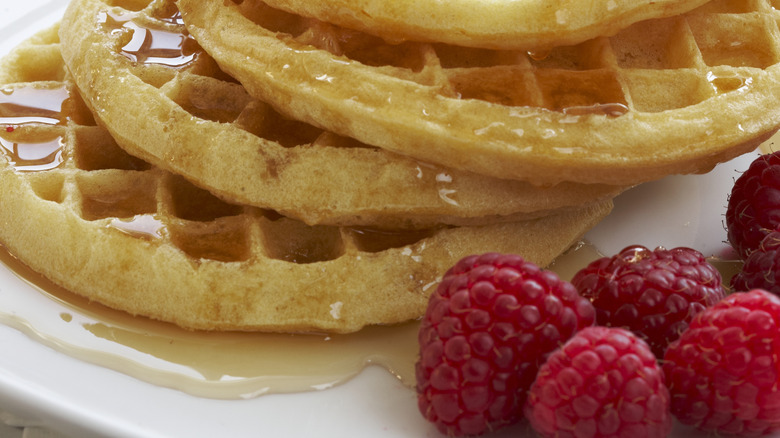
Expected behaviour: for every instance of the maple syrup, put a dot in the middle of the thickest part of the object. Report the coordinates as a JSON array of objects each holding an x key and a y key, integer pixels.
[
  {"x": 375, "y": 240},
  {"x": 539, "y": 55},
  {"x": 724, "y": 84},
  {"x": 26, "y": 105},
  {"x": 33, "y": 156},
  {"x": 151, "y": 46},
  {"x": 143, "y": 226},
  {"x": 601, "y": 109}
]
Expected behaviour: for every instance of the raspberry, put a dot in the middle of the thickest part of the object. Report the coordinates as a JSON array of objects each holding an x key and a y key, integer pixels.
[
  {"x": 655, "y": 294},
  {"x": 604, "y": 382},
  {"x": 762, "y": 267},
  {"x": 724, "y": 372},
  {"x": 488, "y": 327},
  {"x": 754, "y": 204}
]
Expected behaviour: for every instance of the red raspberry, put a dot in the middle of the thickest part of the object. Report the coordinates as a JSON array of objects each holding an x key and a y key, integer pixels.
[
  {"x": 488, "y": 327},
  {"x": 655, "y": 294},
  {"x": 724, "y": 371},
  {"x": 762, "y": 267},
  {"x": 754, "y": 204},
  {"x": 604, "y": 382}
]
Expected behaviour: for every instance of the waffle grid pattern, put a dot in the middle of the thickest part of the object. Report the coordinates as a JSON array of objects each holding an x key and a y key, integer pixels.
[
  {"x": 251, "y": 154},
  {"x": 663, "y": 96},
  {"x": 95, "y": 177},
  {"x": 690, "y": 51}
]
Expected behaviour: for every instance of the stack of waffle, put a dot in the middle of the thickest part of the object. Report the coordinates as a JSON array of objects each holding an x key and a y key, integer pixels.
[{"x": 297, "y": 166}]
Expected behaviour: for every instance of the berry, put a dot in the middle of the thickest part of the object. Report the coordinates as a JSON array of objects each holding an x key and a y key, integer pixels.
[
  {"x": 762, "y": 267},
  {"x": 724, "y": 372},
  {"x": 488, "y": 327},
  {"x": 604, "y": 382},
  {"x": 754, "y": 204},
  {"x": 655, "y": 294}
]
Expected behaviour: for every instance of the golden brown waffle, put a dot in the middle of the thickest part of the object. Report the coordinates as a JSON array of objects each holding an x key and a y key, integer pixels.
[
  {"x": 503, "y": 24},
  {"x": 166, "y": 101},
  {"x": 664, "y": 96},
  {"x": 78, "y": 209}
]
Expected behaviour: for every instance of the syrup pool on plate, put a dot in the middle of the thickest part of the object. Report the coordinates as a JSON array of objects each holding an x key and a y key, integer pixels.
[{"x": 222, "y": 365}]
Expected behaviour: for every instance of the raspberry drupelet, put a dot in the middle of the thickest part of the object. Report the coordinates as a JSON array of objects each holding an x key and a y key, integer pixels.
[
  {"x": 655, "y": 294},
  {"x": 724, "y": 371},
  {"x": 488, "y": 327},
  {"x": 604, "y": 382}
]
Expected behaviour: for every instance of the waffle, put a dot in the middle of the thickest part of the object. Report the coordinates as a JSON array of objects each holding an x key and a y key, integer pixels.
[
  {"x": 516, "y": 25},
  {"x": 190, "y": 118},
  {"x": 112, "y": 227},
  {"x": 665, "y": 96}
]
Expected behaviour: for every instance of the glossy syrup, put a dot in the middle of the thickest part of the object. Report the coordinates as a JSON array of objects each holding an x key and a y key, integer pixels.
[
  {"x": 150, "y": 46},
  {"x": 224, "y": 365},
  {"x": 732, "y": 82},
  {"x": 27, "y": 105},
  {"x": 33, "y": 156},
  {"x": 601, "y": 109},
  {"x": 143, "y": 226}
]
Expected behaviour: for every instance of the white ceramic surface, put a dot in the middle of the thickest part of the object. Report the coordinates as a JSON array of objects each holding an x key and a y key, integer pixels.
[{"x": 40, "y": 383}]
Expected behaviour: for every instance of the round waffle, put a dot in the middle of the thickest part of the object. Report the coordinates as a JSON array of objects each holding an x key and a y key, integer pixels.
[
  {"x": 165, "y": 100},
  {"x": 77, "y": 208},
  {"x": 664, "y": 96},
  {"x": 505, "y": 24}
]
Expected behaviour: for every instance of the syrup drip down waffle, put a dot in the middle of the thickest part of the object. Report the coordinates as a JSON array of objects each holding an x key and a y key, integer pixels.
[
  {"x": 190, "y": 118},
  {"x": 665, "y": 96},
  {"x": 109, "y": 226}
]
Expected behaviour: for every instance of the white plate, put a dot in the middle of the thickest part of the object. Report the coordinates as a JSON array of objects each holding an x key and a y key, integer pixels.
[{"x": 41, "y": 383}]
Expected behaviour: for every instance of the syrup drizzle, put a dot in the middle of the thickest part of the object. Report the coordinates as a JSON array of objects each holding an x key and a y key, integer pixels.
[
  {"x": 27, "y": 105},
  {"x": 374, "y": 240},
  {"x": 37, "y": 156},
  {"x": 143, "y": 226},
  {"x": 725, "y": 84},
  {"x": 151, "y": 46},
  {"x": 601, "y": 109}
]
